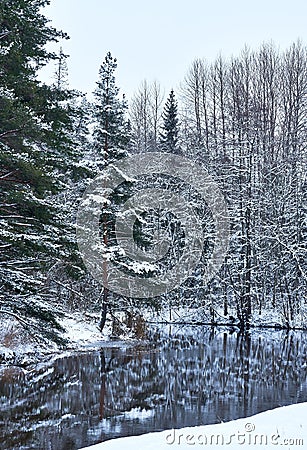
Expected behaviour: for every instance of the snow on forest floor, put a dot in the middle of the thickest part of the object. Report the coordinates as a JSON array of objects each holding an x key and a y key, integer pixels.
[
  {"x": 82, "y": 330},
  {"x": 284, "y": 427},
  {"x": 16, "y": 347}
]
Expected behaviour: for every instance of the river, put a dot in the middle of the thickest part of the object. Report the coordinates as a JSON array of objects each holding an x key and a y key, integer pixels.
[{"x": 182, "y": 376}]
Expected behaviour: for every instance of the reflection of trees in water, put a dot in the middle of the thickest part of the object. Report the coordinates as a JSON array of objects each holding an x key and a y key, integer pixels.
[
  {"x": 203, "y": 376},
  {"x": 233, "y": 372}
]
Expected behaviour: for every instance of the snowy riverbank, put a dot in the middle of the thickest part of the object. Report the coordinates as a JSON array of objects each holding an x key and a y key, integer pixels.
[
  {"x": 82, "y": 332},
  {"x": 285, "y": 427},
  {"x": 18, "y": 348}
]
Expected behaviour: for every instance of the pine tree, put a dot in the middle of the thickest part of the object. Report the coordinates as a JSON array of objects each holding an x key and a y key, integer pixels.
[
  {"x": 170, "y": 128},
  {"x": 111, "y": 140},
  {"x": 111, "y": 135},
  {"x": 33, "y": 140}
]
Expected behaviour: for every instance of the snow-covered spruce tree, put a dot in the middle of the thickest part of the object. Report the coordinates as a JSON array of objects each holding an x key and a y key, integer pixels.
[
  {"x": 33, "y": 141},
  {"x": 170, "y": 128},
  {"x": 111, "y": 134},
  {"x": 110, "y": 142}
]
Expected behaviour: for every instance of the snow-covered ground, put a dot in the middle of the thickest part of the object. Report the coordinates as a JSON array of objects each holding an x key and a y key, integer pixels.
[
  {"x": 82, "y": 330},
  {"x": 284, "y": 427},
  {"x": 16, "y": 347}
]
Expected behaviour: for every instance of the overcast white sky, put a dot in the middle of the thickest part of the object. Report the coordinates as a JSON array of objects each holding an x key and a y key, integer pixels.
[{"x": 159, "y": 39}]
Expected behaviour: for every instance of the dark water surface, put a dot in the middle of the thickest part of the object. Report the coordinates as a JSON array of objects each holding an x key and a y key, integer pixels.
[{"x": 183, "y": 377}]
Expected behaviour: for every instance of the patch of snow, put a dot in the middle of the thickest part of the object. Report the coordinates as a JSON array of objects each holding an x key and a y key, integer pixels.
[
  {"x": 138, "y": 413},
  {"x": 81, "y": 332},
  {"x": 68, "y": 416},
  {"x": 285, "y": 426}
]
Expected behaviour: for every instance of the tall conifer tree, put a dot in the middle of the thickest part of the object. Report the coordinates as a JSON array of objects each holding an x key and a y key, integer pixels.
[
  {"x": 33, "y": 139},
  {"x": 111, "y": 135},
  {"x": 170, "y": 128}
]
